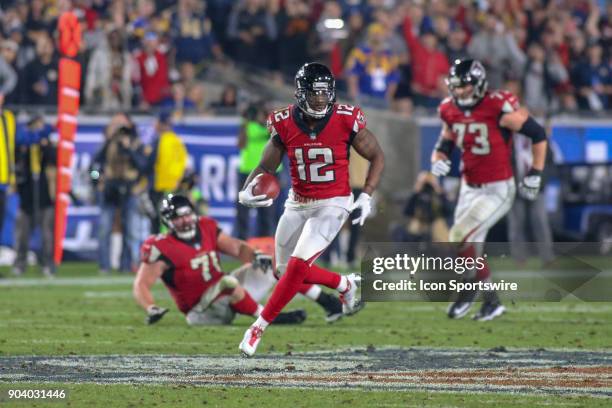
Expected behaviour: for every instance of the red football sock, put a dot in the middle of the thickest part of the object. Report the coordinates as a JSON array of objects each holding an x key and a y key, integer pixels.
[
  {"x": 246, "y": 306},
  {"x": 305, "y": 287},
  {"x": 484, "y": 273},
  {"x": 467, "y": 251},
  {"x": 286, "y": 288},
  {"x": 323, "y": 277},
  {"x": 470, "y": 252}
]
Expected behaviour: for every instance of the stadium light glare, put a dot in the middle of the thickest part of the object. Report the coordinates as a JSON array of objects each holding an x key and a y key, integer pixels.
[{"x": 334, "y": 23}]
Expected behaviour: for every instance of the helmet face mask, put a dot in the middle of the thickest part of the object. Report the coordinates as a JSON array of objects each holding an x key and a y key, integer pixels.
[
  {"x": 315, "y": 90},
  {"x": 467, "y": 82},
  {"x": 179, "y": 215}
]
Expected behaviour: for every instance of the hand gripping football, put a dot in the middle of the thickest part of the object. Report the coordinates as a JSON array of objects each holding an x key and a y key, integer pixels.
[{"x": 267, "y": 184}]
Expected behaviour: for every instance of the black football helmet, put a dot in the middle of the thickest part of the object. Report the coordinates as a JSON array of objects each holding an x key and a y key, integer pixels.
[
  {"x": 315, "y": 89},
  {"x": 467, "y": 72},
  {"x": 179, "y": 215}
]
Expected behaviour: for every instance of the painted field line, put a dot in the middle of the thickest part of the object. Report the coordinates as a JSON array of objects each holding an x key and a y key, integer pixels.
[
  {"x": 202, "y": 343},
  {"x": 85, "y": 281},
  {"x": 121, "y": 294},
  {"x": 43, "y": 315}
]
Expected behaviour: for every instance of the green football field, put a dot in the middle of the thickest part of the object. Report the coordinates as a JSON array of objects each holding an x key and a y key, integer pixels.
[{"x": 83, "y": 333}]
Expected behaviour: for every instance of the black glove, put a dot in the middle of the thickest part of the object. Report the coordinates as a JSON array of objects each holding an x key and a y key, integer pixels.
[
  {"x": 529, "y": 187},
  {"x": 154, "y": 314},
  {"x": 262, "y": 261}
]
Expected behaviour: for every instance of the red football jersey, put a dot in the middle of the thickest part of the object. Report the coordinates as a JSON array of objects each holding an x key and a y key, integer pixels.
[
  {"x": 193, "y": 269},
  {"x": 486, "y": 147},
  {"x": 318, "y": 158}
]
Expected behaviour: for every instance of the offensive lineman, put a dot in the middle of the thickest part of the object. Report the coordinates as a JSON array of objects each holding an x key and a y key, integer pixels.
[
  {"x": 186, "y": 259},
  {"x": 316, "y": 134},
  {"x": 481, "y": 123}
]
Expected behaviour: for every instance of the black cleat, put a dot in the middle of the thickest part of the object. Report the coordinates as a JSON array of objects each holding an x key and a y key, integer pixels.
[
  {"x": 462, "y": 305},
  {"x": 293, "y": 317},
  {"x": 490, "y": 309},
  {"x": 332, "y": 306}
]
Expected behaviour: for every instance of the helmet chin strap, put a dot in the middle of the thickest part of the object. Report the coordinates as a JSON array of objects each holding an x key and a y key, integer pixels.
[
  {"x": 316, "y": 114},
  {"x": 467, "y": 102}
]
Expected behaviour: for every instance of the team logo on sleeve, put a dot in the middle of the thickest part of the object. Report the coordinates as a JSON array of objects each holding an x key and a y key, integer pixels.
[
  {"x": 361, "y": 118},
  {"x": 153, "y": 254}
]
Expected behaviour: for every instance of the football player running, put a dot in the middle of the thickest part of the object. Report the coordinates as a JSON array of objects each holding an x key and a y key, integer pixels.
[
  {"x": 187, "y": 261},
  {"x": 481, "y": 122},
  {"x": 316, "y": 134}
]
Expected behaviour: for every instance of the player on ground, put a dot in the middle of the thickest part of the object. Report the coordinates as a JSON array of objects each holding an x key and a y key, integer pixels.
[
  {"x": 481, "y": 123},
  {"x": 316, "y": 134},
  {"x": 186, "y": 259}
]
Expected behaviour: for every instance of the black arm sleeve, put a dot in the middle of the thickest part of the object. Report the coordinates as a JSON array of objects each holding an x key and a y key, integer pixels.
[
  {"x": 445, "y": 146},
  {"x": 533, "y": 130}
]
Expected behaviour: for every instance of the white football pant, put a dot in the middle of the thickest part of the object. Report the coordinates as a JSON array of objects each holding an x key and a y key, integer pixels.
[
  {"x": 479, "y": 209},
  {"x": 306, "y": 229}
]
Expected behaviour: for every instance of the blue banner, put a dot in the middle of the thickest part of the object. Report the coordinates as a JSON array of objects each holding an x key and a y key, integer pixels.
[{"x": 213, "y": 154}]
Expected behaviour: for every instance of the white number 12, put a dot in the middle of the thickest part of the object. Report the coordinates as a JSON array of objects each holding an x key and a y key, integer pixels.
[{"x": 314, "y": 168}]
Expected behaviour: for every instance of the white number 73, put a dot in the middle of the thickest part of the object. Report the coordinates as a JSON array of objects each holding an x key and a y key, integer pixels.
[{"x": 481, "y": 139}]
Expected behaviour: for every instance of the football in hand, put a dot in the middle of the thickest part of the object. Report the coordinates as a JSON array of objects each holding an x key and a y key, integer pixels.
[{"x": 268, "y": 185}]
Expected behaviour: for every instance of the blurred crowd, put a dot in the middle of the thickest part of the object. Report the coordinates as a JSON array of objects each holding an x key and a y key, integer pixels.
[
  {"x": 393, "y": 54},
  {"x": 128, "y": 179}
]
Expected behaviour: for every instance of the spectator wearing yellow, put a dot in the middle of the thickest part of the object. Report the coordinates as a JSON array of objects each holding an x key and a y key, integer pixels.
[
  {"x": 7, "y": 157},
  {"x": 169, "y": 161}
]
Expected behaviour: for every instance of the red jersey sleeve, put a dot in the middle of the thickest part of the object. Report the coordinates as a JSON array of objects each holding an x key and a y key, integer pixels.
[
  {"x": 359, "y": 120},
  {"x": 353, "y": 118},
  {"x": 210, "y": 229},
  {"x": 443, "y": 110},
  {"x": 149, "y": 251},
  {"x": 505, "y": 101},
  {"x": 276, "y": 123}
]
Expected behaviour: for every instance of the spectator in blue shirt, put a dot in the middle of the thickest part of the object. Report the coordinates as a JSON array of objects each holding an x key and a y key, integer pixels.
[
  {"x": 194, "y": 40},
  {"x": 372, "y": 68},
  {"x": 179, "y": 102},
  {"x": 593, "y": 80}
]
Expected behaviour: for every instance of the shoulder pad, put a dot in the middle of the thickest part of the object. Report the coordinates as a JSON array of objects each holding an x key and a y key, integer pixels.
[
  {"x": 446, "y": 100},
  {"x": 353, "y": 116},
  {"x": 506, "y": 100},
  {"x": 279, "y": 115},
  {"x": 149, "y": 251},
  {"x": 207, "y": 222},
  {"x": 276, "y": 118},
  {"x": 444, "y": 106}
]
